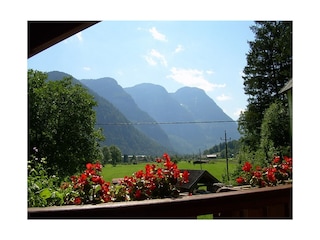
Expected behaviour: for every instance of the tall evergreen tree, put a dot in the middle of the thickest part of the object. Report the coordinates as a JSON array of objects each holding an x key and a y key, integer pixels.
[{"x": 268, "y": 69}]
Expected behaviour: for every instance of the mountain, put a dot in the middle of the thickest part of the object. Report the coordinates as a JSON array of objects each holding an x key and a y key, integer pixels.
[
  {"x": 204, "y": 109},
  {"x": 146, "y": 119},
  {"x": 109, "y": 89},
  {"x": 125, "y": 136},
  {"x": 180, "y": 114},
  {"x": 161, "y": 106}
]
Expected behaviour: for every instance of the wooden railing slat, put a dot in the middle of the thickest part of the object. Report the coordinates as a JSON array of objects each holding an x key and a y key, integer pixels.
[{"x": 268, "y": 202}]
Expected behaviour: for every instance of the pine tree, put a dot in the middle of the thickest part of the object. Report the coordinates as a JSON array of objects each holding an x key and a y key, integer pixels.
[{"x": 268, "y": 69}]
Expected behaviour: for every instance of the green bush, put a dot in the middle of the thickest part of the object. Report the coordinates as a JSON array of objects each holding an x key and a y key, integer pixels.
[{"x": 43, "y": 190}]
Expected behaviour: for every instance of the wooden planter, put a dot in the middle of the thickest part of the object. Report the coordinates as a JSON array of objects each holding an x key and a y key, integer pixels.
[{"x": 268, "y": 202}]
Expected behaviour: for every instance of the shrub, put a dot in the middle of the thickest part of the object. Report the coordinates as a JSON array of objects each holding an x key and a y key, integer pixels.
[{"x": 43, "y": 190}]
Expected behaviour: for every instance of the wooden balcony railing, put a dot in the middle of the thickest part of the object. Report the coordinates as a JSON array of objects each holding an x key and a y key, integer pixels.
[{"x": 259, "y": 203}]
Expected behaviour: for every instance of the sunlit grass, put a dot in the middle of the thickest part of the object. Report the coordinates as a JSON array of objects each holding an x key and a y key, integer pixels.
[
  {"x": 121, "y": 170},
  {"x": 215, "y": 168}
]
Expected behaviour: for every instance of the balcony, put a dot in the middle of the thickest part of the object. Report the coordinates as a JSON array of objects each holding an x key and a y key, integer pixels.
[{"x": 256, "y": 203}]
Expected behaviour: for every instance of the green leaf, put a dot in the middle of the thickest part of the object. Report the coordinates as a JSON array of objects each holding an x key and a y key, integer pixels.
[
  {"x": 45, "y": 193},
  {"x": 59, "y": 196}
]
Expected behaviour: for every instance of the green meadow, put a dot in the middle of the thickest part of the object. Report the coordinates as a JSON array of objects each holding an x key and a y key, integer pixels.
[{"x": 217, "y": 168}]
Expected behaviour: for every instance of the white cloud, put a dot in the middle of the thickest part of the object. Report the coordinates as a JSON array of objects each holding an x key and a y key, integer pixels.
[
  {"x": 210, "y": 72},
  {"x": 156, "y": 35},
  {"x": 237, "y": 112},
  {"x": 223, "y": 97},
  {"x": 178, "y": 49},
  {"x": 150, "y": 60},
  {"x": 86, "y": 68},
  {"x": 193, "y": 78},
  {"x": 154, "y": 57}
]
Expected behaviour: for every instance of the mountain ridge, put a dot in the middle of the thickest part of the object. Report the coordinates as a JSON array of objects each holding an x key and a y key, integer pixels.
[
  {"x": 109, "y": 89},
  {"x": 181, "y": 122},
  {"x": 199, "y": 124},
  {"x": 125, "y": 136}
]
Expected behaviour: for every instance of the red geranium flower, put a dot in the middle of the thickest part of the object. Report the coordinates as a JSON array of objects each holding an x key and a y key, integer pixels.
[
  {"x": 83, "y": 177},
  {"x": 77, "y": 201},
  {"x": 139, "y": 174},
  {"x": 271, "y": 176},
  {"x": 138, "y": 194},
  {"x": 73, "y": 179},
  {"x": 166, "y": 157},
  {"x": 97, "y": 166},
  {"x": 89, "y": 166},
  {"x": 97, "y": 179},
  {"x": 247, "y": 167},
  {"x": 159, "y": 173},
  {"x": 276, "y": 159},
  {"x": 288, "y": 160},
  {"x": 257, "y": 174},
  {"x": 240, "y": 180},
  {"x": 185, "y": 176},
  {"x": 176, "y": 173}
]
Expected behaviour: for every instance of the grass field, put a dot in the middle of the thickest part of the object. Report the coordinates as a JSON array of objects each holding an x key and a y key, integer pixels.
[{"x": 217, "y": 168}]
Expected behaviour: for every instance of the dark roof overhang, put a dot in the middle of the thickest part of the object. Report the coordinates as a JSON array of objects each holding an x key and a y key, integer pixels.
[
  {"x": 44, "y": 34},
  {"x": 287, "y": 87}
]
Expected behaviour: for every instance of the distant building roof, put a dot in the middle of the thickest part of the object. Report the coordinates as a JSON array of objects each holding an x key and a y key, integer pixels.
[
  {"x": 287, "y": 87},
  {"x": 211, "y": 155}
]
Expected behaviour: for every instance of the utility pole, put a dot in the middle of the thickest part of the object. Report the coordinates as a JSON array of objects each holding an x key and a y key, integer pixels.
[
  {"x": 226, "y": 145},
  {"x": 200, "y": 159}
]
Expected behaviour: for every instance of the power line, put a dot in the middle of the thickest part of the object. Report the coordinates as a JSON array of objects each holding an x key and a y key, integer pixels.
[{"x": 167, "y": 123}]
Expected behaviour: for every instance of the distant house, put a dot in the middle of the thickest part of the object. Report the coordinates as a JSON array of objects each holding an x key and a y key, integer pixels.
[
  {"x": 211, "y": 156},
  {"x": 141, "y": 157},
  {"x": 134, "y": 158}
]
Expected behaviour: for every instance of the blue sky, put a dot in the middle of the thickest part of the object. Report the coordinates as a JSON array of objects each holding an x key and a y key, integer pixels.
[{"x": 209, "y": 55}]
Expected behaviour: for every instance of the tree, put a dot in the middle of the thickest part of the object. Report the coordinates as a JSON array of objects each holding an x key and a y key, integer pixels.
[
  {"x": 106, "y": 155},
  {"x": 61, "y": 123},
  {"x": 115, "y": 154},
  {"x": 275, "y": 130},
  {"x": 268, "y": 69}
]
